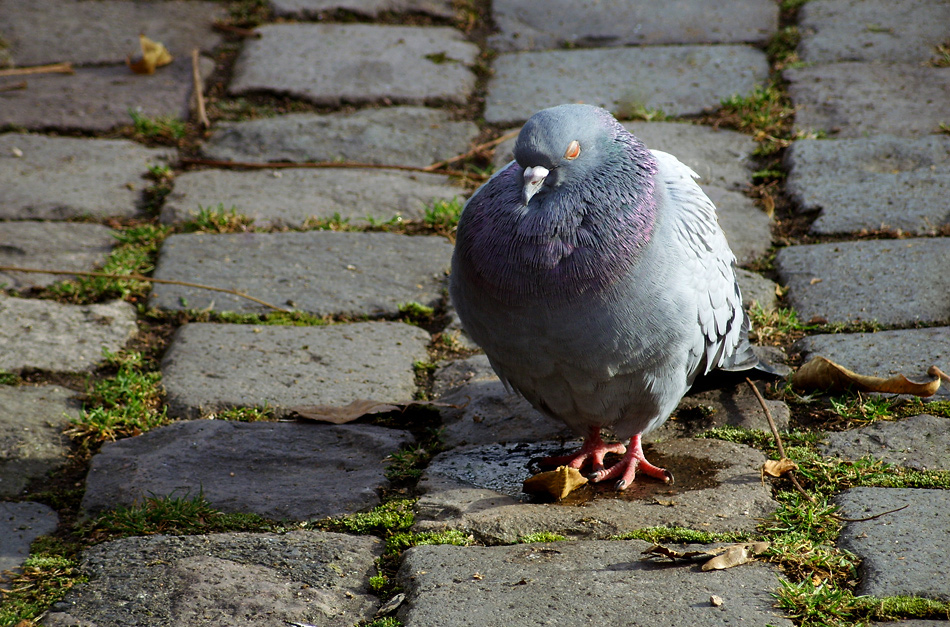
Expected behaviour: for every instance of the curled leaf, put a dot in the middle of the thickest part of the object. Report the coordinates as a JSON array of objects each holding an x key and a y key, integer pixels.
[
  {"x": 736, "y": 555},
  {"x": 154, "y": 55},
  {"x": 778, "y": 467},
  {"x": 823, "y": 374},
  {"x": 660, "y": 551},
  {"x": 556, "y": 483}
]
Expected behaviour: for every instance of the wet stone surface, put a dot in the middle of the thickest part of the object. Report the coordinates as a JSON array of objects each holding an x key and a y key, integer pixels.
[
  {"x": 209, "y": 367},
  {"x": 902, "y": 553},
  {"x": 575, "y": 583},
  {"x": 260, "y": 579},
  {"x": 281, "y": 471},
  {"x": 320, "y": 272},
  {"x": 415, "y": 136}
]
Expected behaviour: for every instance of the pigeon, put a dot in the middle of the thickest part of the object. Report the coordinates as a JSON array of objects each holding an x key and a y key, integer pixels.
[{"x": 594, "y": 274}]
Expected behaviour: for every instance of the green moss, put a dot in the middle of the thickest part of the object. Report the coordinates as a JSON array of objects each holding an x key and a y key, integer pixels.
[
  {"x": 10, "y": 378},
  {"x": 246, "y": 414},
  {"x": 541, "y": 536},
  {"x": 162, "y": 127},
  {"x": 384, "y": 519},
  {"x": 659, "y": 535},
  {"x": 399, "y": 542}
]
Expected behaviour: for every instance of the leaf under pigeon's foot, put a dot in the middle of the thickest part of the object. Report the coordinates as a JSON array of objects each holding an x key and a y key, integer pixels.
[
  {"x": 593, "y": 449},
  {"x": 626, "y": 469}
]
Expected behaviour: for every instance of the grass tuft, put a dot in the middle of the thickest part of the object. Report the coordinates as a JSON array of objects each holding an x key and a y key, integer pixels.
[
  {"x": 443, "y": 216},
  {"x": 401, "y": 541},
  {"x": 541, "y": 536},
  {"x": 218, "y": 220},
  {"x": 161, "y": 128},
  {"x": 387, "y": 518},
  {"x": 50, "y": 571}
]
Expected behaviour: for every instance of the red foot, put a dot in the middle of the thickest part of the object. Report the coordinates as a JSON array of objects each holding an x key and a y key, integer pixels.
[
  {"x": 626, "y": 469},
  {"x": 594, "y": 449}
]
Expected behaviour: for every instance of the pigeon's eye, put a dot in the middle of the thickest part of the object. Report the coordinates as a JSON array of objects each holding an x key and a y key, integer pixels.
[{"x": 573, "y": 151}]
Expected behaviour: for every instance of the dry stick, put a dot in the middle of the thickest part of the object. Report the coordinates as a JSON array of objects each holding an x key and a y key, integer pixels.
[
  {"x": 237, "y": 30},
  {"x": 320, "y": 164},
  {"x": 473, "y": 151},
  {"x": 778, "y": 439},
  {"x": 199, "y": 89},
  {"x": 54, "y": 68},
  {"x": 13, "y": 86},
  {"x": 139, "y": 277}
]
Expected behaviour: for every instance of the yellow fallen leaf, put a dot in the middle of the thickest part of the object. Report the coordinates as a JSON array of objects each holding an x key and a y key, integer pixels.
[
  {"x": 778, "y": 467},
  {"x": 556, "y": 483},
  {"x": 736, "y": 555},
  {"x": 154, "y": 55},
  {"x": 823, "y": 374}
]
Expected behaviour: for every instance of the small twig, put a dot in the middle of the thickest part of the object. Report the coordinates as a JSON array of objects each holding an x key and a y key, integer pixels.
[
  {"x": 778, "y": 439},
  {"x": 13, "y": 86},
  {"x": 139, "y": 277},
  {"x": 237, "y": 30},
  {"x": 250, "y": 165},
  {"x": 890, "y": 511},
  {"x": 53, "y": 68},
  {"x": 199, "y": 89},
  {"x": 473, "y": 151}
]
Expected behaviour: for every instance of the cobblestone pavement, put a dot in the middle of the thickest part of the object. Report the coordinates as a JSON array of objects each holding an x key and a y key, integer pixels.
[{"x": 410, "y": 83}]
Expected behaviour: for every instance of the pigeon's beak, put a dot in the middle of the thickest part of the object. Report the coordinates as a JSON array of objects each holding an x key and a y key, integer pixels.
[{"x": 533, "y": 180}]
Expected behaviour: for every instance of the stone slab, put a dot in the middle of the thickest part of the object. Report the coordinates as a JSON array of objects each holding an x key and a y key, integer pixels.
[
  {"x": 679, "y": 80},
  {"x": 921, "y": 442},
  {"x": 279, "y": 470},
  {"x": 302, "y": 577},
  {"x": 51, "y": 245},
  {"x": 44, "y": 335},
  {"x": 57, "y": 178},
  {"x": 872, "y": 183},
  {"x": 44, "y": 31},
  {"x": 720, "y": 157},
  {"x": 756, "y": 288},
  {"x": 98, "y": 99},
  {"x": 869, "y": 280},
  {"x": 872, "y": 30},
  {"x": 289, "y": 197},
  {"x": 32, "y": 421},
  {"x": 748, "y": 229},
  {"x": 414, "y": 136},
  {"x": 902, "y": 553},
  {"x": 20, "y": 524},
  {"x": 209, "y": 367},
  {"x": 331, "y": 64},
  {"x": 578, "y": 583},
  {"x": 315, "y": 9},
  {"x": 321, "y": 272},
  {"x": 883, "y": 354},
  {"x": 477, "y": 490},
  {"x": 545, "y": 24},
  {"x": 860, "y": 99}
]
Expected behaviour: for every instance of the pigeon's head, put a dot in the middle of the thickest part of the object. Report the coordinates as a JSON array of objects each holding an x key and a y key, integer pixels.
[{"x": 563, "y": 145}]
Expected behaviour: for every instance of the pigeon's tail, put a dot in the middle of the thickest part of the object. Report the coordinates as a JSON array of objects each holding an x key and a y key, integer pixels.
[{"x": 743, "y": 358}]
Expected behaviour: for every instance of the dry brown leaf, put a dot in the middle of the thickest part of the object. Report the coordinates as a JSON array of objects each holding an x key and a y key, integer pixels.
[
  {"x": 659, "y": 550},
  {"x": 556, "y": 483},
  {"x": 934, "y": 371},
  {"x": 736, "y": 555},
  {"x": 823, "y": 374},
  {"x": 778, "y": 467},
  {"x": 154, "y": 55}
]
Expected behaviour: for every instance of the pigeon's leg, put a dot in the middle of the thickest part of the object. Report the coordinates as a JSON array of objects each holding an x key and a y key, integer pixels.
[
  {"x": 626, "y": 469},
  {"x": 593, "y": 449}
]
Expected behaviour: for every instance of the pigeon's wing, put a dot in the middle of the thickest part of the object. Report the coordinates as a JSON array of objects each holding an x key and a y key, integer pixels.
[{"x": 708, "y": 270}]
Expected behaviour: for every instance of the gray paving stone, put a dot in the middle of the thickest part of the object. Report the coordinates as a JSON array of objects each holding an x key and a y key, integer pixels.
[
  {"x": 98, "y": 99},
  {"x": 679, "y": 80},
  {"x": 541, "y": 24},
  {"x": 578, "y": 583},
  {"x": 902, "y": 553},
  {"x": 212, "y": 366},
  {"x": 329, "y": 64},
  {"x": 310, "y": 9},
  {"x": 720, "y": 157},
  {"x": 44, "y": 335},
  {"x": 52, "y": 245},
  {"x": 20, "y": 524},
  {"x": 872, "y": 183},
  {"x": 321, "y": 272},
  {"x": 908, "y": 351},
  {"x": 872, "y": 30},
  {"x": 921, "y": 442},
  {"x": 414, "y": 136},
  {"x": 68, "y": 177},
  {"x": 748, "y": 229},
  {"x": 477, "y": 490},
  {"x": 756, "y": 289},
  {"x": 32, "y": 420},
  {"x": 861, "y": 99},
  {"x": 869, "y": 280},
  {"x": 44, "y": 31},
  {"x": 301, "y": 577},
  {"x": 279, "y": 470},
  {"x": 290, "y": 196}
]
